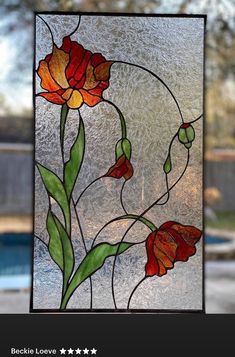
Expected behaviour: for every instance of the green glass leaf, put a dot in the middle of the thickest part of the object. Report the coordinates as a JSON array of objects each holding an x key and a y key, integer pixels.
[
  {"x": 118, "y": 149},
  {"x": 188, "y": 145},
  {"x": 126, "y": 147},
  {"x": 190, "y": 133},
  {"x": 186, "y": 134},
  {"x": 73, "y": 165},
  {"x": 183, "y": 136},
  {"x": 167, "y": 165},
  {"x": 68, "y": 256},
  {"x": 93, "y": 261},
  {"x": 123, "y": 147},
  {"x": 54, "y": 246},
  {"x": 55, "y": 189}
]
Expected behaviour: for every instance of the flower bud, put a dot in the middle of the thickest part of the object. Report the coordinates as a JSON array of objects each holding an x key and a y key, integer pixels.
[
  {"x": 186, "y": 135},
  {"x": 123, "y": 147}
]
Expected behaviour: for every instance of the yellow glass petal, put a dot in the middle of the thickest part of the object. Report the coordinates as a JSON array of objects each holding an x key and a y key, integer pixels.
[
  {"x": 57, "y": 65},
  {"x": 75, "y": 100}
]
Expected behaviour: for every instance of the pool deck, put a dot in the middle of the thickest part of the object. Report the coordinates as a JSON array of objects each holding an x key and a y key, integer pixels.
[
  {"x": 219, "y": 289},
  {"x": 16, "y": 224},
  {"x": 14, "y": 302}
]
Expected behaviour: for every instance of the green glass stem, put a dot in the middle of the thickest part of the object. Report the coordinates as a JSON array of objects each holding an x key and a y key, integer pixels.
[
  {"x": 63, "y": 118},
  {"x": 144, "y": 220},
  {"x": 121, "y": 117}
]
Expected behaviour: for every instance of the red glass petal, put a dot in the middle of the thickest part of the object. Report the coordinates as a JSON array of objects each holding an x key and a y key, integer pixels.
[
  {"x": 189, "y": 233},
  {"x": 48, "y": 57},
  {"x": 96, "y": 59},
  {"x": 130, "y": 171},
  {"x": 67, "y": 43},
  {"x": 81, "y": 68},
  {"x": 99, "y": 89},
  {"x": 166, "y": 225},
  {"x": 89, "y": 99},
  {"x": 119, "y": 169},
  {"x": 184, "y": 251},
  {"x": 80, "y": 84},
  {"x": 151, "y": 267},
  {"x": 52, "y": 97},
  {"x": 77, "y": 53}
]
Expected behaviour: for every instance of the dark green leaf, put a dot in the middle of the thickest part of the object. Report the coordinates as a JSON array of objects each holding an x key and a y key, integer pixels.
[
  {"x": 55, "y": 246},
  {"x": 118, "y": 149},
  {"x": 73, "y": 165},
  {"x": 55, "y": 188},
  {"x": 68, "y": 256},
  {"x": 93, "y": 261}
]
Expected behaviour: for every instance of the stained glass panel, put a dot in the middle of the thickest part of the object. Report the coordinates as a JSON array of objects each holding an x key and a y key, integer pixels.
[{"x": 118, "y": 163}]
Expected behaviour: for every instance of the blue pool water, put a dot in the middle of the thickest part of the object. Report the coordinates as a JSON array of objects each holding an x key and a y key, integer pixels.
[
  {"x": 215, "y": 240},
  {"x": 15, "y": 260}
]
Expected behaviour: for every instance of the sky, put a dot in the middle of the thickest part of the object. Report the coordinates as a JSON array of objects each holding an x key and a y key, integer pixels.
[
  {"x": 17, "y": 49},
  {"x": 17, "y": 97},
  {"x": 15, "y": 83}
]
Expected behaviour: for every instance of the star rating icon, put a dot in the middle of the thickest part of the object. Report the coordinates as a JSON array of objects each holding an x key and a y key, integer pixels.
[{"x": 78, "y": 351}]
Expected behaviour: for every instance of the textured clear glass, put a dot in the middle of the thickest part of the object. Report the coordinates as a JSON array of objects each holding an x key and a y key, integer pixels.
[{"x": 172, "y": 48}]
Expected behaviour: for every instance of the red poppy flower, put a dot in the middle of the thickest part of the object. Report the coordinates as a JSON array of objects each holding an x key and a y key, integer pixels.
[
  {"x": 122, "y": 168},
  {"x": 73, "y": 75},
  {"x": 170, "y": 243}
]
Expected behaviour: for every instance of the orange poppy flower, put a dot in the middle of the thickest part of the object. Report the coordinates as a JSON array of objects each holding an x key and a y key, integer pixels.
[
  {"x": 73, "y": 75},
  {"x": 170, "y": 243},
  {"x": 122, "y": 168}
]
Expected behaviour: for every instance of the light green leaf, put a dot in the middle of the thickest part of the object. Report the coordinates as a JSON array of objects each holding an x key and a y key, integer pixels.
[
  {"x": 73, "y": 165},
  {"x": 126, "y": 146},
  {"x": 190, "y": 133},
  {"x": 186, "y": 135},
  {"x": 167, "y": 165},
  {"x": 93, "y": 261},
  {"x": 55, "y": 189},
  {"x": 123, "y": 147},
  {"x": 183, "y": 136},
  {"x": 188, "y": 145}
]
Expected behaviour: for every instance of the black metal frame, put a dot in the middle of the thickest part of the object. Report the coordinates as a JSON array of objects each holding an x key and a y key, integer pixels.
[{"x": 120, "y": 311}]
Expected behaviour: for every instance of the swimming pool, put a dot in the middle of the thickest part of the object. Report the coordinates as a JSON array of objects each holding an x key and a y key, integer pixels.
[
  {"x": 211, "y": 239},
  {"x": 15, "y": 260}
]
